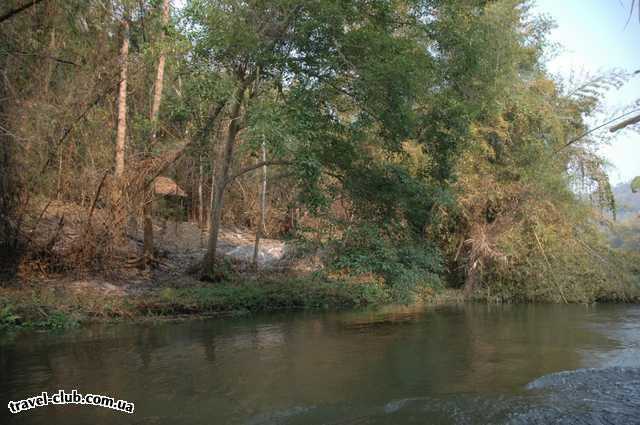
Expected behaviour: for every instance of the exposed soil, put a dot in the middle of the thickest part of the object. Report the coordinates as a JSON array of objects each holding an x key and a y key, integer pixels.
[{"x": 180, "y": 246}]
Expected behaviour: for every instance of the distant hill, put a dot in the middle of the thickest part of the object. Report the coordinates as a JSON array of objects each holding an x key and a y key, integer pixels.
[{"x": 627, "y": 203}]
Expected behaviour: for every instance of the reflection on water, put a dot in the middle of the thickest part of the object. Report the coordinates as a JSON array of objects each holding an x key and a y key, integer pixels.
[{"x": 463, "y": 364}]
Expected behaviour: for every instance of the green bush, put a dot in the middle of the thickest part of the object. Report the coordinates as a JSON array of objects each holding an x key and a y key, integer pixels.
[
  {"x": 34, "y": 310},
  {"x": 275, "y": 293},
  {"x": 8, "y": 318},
  {"x": 404, "y": 265},
  {"x": 56, "y": 320}
]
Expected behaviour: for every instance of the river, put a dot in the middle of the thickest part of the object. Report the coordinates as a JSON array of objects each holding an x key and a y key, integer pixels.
[{"x": 467, "y": 364}]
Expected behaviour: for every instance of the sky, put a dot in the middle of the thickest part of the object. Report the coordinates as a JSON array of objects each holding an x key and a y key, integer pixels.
[{"x": 593, "y": 38}]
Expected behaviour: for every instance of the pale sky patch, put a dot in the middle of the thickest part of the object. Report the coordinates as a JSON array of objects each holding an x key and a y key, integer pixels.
[{"x": 593, "y": 38}]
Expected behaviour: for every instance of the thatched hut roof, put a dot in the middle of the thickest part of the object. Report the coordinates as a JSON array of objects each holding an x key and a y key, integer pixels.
[{"x": 167, "y": 187}]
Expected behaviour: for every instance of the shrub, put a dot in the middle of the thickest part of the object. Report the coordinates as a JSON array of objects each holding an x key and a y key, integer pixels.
[{"x": 404, "y": 264}]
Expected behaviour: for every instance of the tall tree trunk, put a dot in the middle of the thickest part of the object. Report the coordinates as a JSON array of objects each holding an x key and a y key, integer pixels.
[
  {"x": 212, "y": 194},
  {"x": 121, "y": 134},
  {"x": 117, "y": 195},
  {"x": 159, "y": 82},
  {"x": 200, "y": 194},
  {"x": 46, "y": 81},
  {"x": 209, "y": 261},
  {"x": 9, "y": 185},
  {"x": 155, "y": 110},
  {"x": 263, "y": 205},
  {"x": 59, "y": 184}
]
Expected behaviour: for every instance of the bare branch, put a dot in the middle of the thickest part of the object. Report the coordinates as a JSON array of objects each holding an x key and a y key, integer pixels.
[
  {"x": 79, "y": 118},
  {"x": 625, "y": 123},
  {"x": 254, "y": 167},
  {"x": 40, "y": 56},
  {"x": 585, "y": 134},
  {"x": 10, "y": 14}
]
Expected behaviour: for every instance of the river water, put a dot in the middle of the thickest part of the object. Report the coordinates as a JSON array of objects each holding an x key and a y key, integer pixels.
[{"x": 468, "y": 364}]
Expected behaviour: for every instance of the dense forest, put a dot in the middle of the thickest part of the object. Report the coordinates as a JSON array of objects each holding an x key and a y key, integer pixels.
[{"x": 410, "y": 144}]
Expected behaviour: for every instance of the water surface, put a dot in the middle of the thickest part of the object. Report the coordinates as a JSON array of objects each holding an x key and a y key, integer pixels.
[{"x": 470, "y": 364}]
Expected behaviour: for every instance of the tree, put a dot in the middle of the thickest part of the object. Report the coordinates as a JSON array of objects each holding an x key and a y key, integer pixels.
[
  {"x": 347, "y": 85},
  {"x": 420, "y": 139},
  {"x": 251, "y": 36},
  {"x": 155, "y": 110},
  {"x": 260, "y": 230},
  {"x": 121, "y": 137}
]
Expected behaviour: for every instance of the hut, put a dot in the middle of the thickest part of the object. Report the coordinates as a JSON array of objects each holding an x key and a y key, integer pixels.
[
  {"x": 164, "y": 186},
  {"x": 170, "y": 199}
]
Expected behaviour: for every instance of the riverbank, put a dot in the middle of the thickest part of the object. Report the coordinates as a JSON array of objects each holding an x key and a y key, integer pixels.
[
  {"x": 292, "y": 276},
  {"x": 53, "y": 307},
  {"x": 66, "y": 304}
]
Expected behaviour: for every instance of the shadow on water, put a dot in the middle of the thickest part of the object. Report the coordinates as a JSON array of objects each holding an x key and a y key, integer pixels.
[{"x": 471, "y": 364}]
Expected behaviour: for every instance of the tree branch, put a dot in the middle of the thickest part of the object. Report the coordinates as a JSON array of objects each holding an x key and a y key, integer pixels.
[
  {"x": 10, "y": 14},
  {"x": 254, "y": 167},
  {"x": 625, "y": 123},
  {"x": 585, "y": 134},
  {"x": 170, "y": 157},
  {"x": 53, "y": 58}
]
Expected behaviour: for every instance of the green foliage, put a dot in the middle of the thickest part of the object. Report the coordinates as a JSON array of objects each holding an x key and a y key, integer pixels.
[
  {"x": 433, "y": 119},
  {"x": 635, "y": 184},
  {"x": 424, "y": 137},
  {"x": 57, "y": 320},
  {"x": 34, "y": 311},
  {"x": 269, "y": 294},
  {"x": 404, "y": 265},
  {"x": 8, "y": 318}
]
